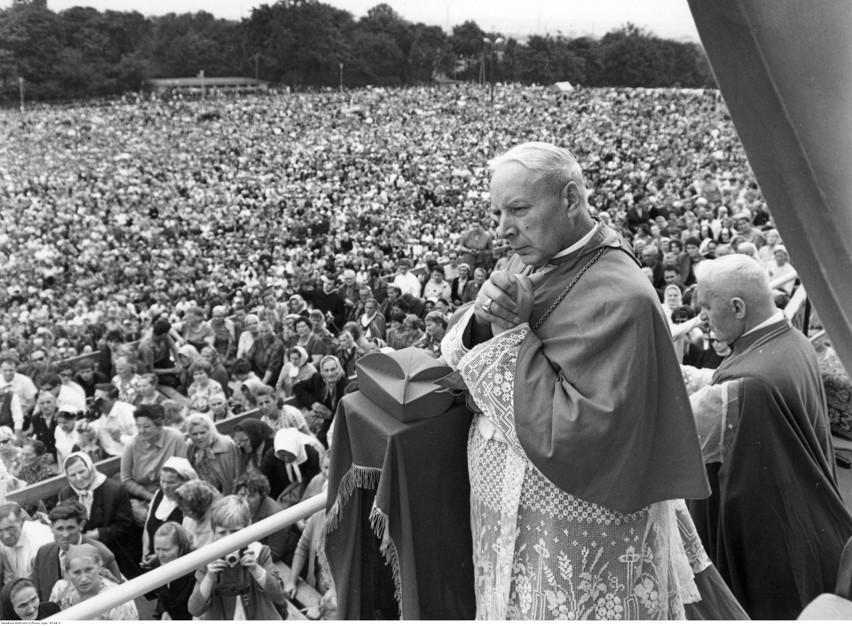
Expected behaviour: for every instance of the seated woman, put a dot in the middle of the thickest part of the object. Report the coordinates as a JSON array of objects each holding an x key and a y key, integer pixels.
[
  {"x": 19, "y": 602},
  {"x": 218, "y": 408},
  {"x": 248, "y": 590},
  {"x": 202, "y": 386},
  {"x": 296, "y": 462},
  {"x": 296, "y": 369},
  {"x": 255, "y": 439},
  {"x": 187, "y": 357},
  {"x": 214, "y": 457},
  {"x": 164, "y": 507},
  {"x": 146, "y": 452},
  {"x": 147, "y": 391},
  {"x": 85, "y": 578},
  {"x": 436, "y": 327},
  {"x": 253, "y": 488},
  {"x": 171, "y": 541},
  {"x": 321, "y": 394},
  {"x": 194, "y": 498},
  {"x": 310, "y": 558},
  {"x": 362, "y": 344},
  {"x": 110, "y": 516},
  {"x": 34, "y": 469}
]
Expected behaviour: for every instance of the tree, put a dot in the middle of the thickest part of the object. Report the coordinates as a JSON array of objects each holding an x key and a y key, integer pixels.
[
  {"x": 303, "y": 40},
  {"x": 466, "y": 42},
  {"x": 30, "y": 32},
  {"x": 631, "y": 58}
]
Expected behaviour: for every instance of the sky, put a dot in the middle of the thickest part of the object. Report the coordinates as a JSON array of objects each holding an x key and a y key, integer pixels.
[{"x": 665, "y": 18}]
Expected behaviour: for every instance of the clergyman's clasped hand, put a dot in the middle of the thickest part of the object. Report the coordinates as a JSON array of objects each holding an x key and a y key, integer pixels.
[{"x": 504, "y": 301}]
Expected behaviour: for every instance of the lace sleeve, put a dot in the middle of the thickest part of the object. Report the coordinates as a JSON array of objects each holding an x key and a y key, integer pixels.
[
  {"x": 452, "y": 345},
  {"x": 714, "y": 408},
  {"x": 695, "y": 378},
  {"x": 489, "y": 371}
]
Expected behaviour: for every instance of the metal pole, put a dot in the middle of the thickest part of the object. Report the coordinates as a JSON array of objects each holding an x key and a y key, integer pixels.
[
  {"x": 493, "y": 56},
  {"x": 21, "y": 88},
  {"x": 190, "y": 562},
  {"x": 341, "y": 78}
]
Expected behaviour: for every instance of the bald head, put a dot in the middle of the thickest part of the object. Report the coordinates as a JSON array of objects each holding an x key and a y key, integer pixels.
[{"x": 734, "y": 292}]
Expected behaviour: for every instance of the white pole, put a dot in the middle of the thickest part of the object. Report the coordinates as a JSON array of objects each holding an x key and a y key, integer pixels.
[
  {"x": 189, "y": 563},
  {"x": 21, "y": 87}
]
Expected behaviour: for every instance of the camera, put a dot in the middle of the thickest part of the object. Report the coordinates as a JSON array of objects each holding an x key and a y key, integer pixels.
[
  {"x": 93, "y": 409},
  {"x": 233, "y": 559}
]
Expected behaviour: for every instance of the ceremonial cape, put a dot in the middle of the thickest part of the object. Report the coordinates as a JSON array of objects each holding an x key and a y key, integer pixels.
[
  {"x": 777, "y": 526},
  {"x": 540, "y": 550},
  {"x": 600, "y": 405}
]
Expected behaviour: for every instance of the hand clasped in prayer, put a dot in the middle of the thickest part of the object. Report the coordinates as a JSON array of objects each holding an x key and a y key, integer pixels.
[{"x": 505, "y": 301}]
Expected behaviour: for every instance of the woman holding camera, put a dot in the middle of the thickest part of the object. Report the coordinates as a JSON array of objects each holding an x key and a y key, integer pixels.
[{"x": 242, "y": 586}]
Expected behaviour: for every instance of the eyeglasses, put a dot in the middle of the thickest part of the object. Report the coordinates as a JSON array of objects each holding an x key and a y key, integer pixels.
[
  {"x": 715, "y": 340},
  {"x": 5, "y": 440},
  {"x": 38, "y": 360}
]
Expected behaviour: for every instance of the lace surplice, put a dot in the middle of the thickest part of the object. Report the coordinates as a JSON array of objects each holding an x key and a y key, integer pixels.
[{"x": 541, "y": 553}]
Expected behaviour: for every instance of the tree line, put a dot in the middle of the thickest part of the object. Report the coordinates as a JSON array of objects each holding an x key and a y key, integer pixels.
[{"x": 82, "y": 52}]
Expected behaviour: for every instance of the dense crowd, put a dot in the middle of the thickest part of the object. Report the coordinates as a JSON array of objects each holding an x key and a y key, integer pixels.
[{"x": 247, "y": 251}]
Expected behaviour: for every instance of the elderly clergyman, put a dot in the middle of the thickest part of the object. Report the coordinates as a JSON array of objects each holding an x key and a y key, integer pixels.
[
  {"x": 585, "y": 440},
  {"x": 777, "y": 524}
]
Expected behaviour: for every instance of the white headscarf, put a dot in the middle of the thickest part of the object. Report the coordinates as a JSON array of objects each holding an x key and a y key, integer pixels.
[
  {"x": 86, "y": 496},
  {"x": 294, "y": 441}
]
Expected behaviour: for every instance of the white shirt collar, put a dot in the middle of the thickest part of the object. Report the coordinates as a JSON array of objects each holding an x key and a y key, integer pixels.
[
  {"x": 775, "y": 317},
  {"x": 578, "y": 244}
]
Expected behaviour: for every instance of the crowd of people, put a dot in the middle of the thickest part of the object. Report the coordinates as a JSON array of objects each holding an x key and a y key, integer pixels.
[{"x": 245, "y": 253}]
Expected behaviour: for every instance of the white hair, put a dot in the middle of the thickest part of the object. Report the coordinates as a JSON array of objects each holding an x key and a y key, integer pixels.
[
  {"x": 735, "y": 274},
  {"x": 558, "y": 164}
]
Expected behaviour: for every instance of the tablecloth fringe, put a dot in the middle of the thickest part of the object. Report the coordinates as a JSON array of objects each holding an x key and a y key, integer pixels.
[
  {"x": 379, "y": 524},
  {"x": 356, "y": 478}
]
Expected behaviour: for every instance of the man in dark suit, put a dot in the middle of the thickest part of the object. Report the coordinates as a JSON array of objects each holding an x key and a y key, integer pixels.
[
  {"x": 44, "y": 423},
  {"x": 67, "y": 520}
]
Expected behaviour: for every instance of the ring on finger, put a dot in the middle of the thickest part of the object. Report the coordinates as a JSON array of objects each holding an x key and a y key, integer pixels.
[{"x": 486, "y": 306}]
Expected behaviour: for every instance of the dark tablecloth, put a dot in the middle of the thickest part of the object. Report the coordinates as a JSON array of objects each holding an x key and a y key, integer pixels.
[{"x": 420, "y": 514}]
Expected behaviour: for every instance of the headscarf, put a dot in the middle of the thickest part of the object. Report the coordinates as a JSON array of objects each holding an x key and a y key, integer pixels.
[
  {"x": 330, "y": 391},
  {"x": 294, "y": 441},
  {"x": 212, "y": 435},
  {"x": 82, "y": 550},
  {"x": 189, "y": 351},
  {"x": 7, "y": 611},
  {"x": 256, "y": 431},
  {"x": 303, "y": 355},
  {"x": 86, "y": 496},
  {"x": 180, "y": 466},
  {"x": 301, "y": 305}
]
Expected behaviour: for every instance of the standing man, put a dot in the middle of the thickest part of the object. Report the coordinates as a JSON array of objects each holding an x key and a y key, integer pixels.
[
  {"x": 585, "y": 436},
  {"x": 20, "y": 540},
  {"x": 12, "y": 380},
  {"x": 406, "y": 280},
  {"x": 67, "y": 520},
  {"x": 776, "y": 523},
  {"x": 157, "y": 354},
  {"x": 116, "y": 425}
]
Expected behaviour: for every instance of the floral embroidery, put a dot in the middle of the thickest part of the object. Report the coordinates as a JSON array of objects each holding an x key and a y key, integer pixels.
[{"x": 540, "y": 553}]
